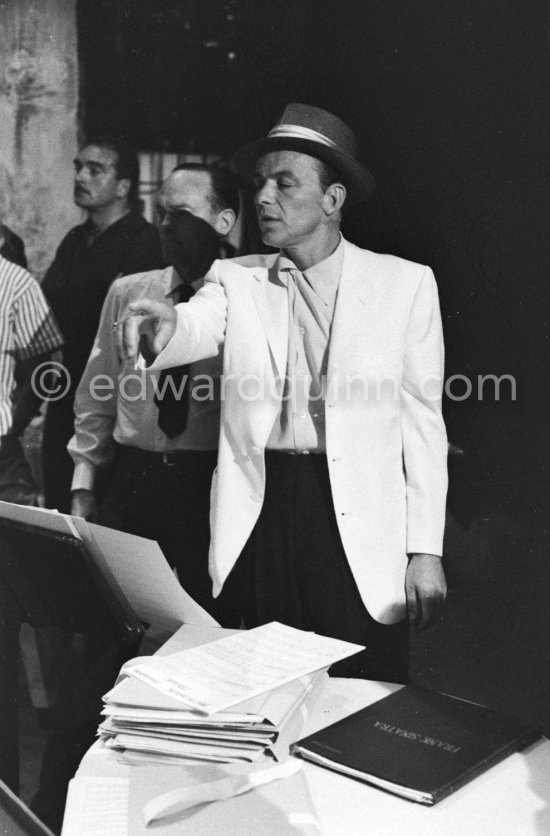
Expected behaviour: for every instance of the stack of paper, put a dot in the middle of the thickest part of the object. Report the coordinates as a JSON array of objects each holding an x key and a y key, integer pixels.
[
  {"x": 137, "y": 721},
  {"x": 224, "y": 701}
]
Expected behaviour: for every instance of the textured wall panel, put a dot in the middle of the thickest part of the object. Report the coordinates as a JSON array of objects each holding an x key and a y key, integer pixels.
[{"x": 38, "y": 122}]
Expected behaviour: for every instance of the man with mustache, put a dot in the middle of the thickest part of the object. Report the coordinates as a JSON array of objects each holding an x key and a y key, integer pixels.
[
  {"x": 115, "y": 240},
  {"x": 165, "y": 449},
  {"x": 328, "y": 501}
]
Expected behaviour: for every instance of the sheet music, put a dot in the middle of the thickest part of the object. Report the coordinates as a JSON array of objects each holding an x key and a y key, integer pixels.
[
  {"x": 220, "y": 674},
  {"x": 96, "y": 807}
]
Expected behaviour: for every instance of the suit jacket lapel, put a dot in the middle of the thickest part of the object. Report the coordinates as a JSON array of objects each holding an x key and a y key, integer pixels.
[
  {"x": 356, "y": 307},
  {"x": 356, "y": 313},
  {"x": 271, "y": 300}
]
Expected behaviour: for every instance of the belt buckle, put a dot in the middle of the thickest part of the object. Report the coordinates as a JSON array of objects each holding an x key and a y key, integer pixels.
[{"x": 168, "y": 458}]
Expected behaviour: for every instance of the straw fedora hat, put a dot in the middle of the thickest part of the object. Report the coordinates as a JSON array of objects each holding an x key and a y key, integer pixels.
[{"x": 319, "y": 134}]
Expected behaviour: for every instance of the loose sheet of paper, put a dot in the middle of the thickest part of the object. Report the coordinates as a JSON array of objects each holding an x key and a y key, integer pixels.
[
  {"x": 143, "y": 574},
  {"x": 96, "y": 807},
  {"x": 41, "y": 518},
  {"x": 220, "y": 674}
]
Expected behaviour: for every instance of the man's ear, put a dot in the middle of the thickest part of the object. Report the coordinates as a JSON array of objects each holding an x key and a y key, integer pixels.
[
  {"x": 334, "y": 198},
  {"x": 225, "y": 221},
  {"x": 123, "y": 188}
]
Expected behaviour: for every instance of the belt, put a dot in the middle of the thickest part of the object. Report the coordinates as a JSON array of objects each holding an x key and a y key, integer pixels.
[
  {"x": 168, "y": 458},
  {"x": 270, "y": 452},
  {"x": 290, "y": 462}
]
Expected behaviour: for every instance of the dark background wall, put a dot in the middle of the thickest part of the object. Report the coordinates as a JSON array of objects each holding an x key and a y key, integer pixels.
[
  {"x": 450, "y": 101},
  {"x": 451, "y": 105}
]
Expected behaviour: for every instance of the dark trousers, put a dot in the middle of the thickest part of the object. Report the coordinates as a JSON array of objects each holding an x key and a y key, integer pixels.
[
  {"x": 91, "y": 668},
  {"x": 294, "y": 570},
  {"x": 10, "y": 624},
  {"x": 167, "y": 499},
  {"x": 16, "y": 485},
  {"x": 57, "y": 464}
]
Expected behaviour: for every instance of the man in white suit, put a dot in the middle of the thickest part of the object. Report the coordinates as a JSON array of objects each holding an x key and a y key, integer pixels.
[{"x": 327, "y": 504}]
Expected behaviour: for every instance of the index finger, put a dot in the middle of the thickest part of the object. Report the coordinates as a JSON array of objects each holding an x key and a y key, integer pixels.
[
  {"x": 425, "y": 611},
  {"x": 412, "y": 606},
  {"x": 127, "y": 335},
  {"x": 129, "y": 328}
]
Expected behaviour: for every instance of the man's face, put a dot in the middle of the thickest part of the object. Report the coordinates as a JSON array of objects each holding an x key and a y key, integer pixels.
[
  {"x": 96, "y": 184},
  {"x": 289, "y": 199},
  {"x": 185, "y": 242}
]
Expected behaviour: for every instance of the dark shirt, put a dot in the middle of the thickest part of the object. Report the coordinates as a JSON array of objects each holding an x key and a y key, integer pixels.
[
  {"x": 13, "y": 248},
  {"x": 78, "y": 280}
]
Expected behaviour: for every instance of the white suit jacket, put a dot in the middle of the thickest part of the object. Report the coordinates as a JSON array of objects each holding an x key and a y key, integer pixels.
[{"x": 386, "y": 441}]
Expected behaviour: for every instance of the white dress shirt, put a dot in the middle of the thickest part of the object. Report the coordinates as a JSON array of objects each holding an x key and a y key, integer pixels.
[
  {"x": 300, "y": 424},
  {"x": 114, "y": 401}
]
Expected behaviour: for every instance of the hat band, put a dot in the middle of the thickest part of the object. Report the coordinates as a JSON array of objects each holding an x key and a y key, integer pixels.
[{"x": 298, "y": 132}]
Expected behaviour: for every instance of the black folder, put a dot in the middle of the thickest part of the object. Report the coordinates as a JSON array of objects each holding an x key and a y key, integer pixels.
[{"x": 419, "y": 744}]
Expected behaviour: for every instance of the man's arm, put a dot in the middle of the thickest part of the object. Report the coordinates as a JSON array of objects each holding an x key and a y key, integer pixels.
[
  {"x": 36, "y": 336},
  {"x": 425, "y": 455},
  {"x": 91, "y": 447},
  {"x": 27, "y": 398},
  {"x": 52, "y": 283},
  {"x": 167, "y": 336}
]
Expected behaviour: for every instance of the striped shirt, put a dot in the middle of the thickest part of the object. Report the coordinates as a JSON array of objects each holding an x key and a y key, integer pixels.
[{"x": 27, "y": 329}]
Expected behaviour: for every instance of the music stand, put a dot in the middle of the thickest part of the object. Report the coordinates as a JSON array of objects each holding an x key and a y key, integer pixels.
[
  {"x": 54, "y": 577},
  {"x": 15, "y": 817},
  {"x": 50, "y": 575}
]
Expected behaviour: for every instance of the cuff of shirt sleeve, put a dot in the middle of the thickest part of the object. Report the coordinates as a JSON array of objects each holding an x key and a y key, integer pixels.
[{"x": 83, "y": 477}]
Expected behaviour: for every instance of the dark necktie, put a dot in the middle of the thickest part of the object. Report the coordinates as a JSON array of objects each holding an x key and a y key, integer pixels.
[{"x": 172, "y": 398}]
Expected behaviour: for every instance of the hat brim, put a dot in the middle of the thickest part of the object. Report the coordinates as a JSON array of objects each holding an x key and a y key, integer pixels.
[{"x": 359, "y": 182}]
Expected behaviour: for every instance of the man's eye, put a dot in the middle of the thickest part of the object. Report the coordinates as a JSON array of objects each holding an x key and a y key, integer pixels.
[{"x": 285, "y": 184}]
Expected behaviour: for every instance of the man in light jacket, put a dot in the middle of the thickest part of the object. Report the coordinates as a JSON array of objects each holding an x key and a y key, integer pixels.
[{"x": 329, "y": 495}]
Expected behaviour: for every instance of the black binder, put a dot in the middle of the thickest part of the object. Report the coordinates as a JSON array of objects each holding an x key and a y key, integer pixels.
[{"x": 419, "y": 744}]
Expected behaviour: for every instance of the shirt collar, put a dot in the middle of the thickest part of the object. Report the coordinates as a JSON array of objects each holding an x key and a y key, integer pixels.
[
  {"x": 322, "y": 277},
  {"x": 130, "y": 221},
  {"x": 173, "y": 281}
]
